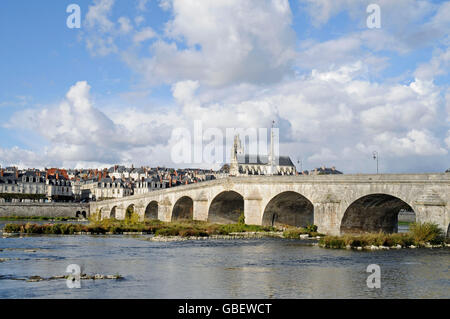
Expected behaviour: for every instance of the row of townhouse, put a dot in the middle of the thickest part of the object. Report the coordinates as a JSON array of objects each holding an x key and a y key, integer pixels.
[
  {"x": 34, "y": 185},
  {"x": 86, "y": 184}
]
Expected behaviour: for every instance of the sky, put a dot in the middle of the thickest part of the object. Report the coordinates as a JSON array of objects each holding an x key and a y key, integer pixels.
[{"x": 116, "y": 89}]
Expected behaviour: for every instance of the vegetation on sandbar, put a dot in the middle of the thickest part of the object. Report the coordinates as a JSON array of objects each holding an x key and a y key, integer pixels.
[
  {"x": 419, "y": 235},
  {"x": 297, "y": 232},
  {"x": 133, "y": 224}
]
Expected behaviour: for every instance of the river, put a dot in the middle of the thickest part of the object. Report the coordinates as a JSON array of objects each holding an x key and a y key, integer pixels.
[{"x": 254, "y": 268}]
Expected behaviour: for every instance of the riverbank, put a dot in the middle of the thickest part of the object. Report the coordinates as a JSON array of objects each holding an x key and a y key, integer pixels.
[
  {"x": 127, "y": 227},
  {"x": 161, "y": 231},
  {"x": 419, "y": 235}
]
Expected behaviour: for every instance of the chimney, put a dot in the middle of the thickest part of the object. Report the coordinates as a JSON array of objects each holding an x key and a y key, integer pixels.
[
  {"x": 57, "y": 175},
  {"x": 1, "y": 172},
  {"x": 17, "y": 174}
]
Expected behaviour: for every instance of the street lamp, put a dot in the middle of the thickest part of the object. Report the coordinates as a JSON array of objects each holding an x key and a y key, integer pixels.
[{"x": 375, "y": 157}]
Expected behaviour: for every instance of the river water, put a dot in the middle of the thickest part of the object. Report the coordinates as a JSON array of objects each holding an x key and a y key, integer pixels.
[{"x": 253, "y": 268}]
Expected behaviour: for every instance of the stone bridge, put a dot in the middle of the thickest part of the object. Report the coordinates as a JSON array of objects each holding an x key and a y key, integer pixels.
[{"x": 337, "y": 204}]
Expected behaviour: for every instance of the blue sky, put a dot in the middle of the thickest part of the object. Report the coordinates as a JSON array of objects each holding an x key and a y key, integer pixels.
[{"x": 114, "y": 90}]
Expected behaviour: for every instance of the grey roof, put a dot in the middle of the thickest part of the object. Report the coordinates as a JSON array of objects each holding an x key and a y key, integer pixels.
[
  {"x": 9, "y": 178},
  {"x": 109, "y": 180},
  {"x": 328, "y": 170},
  {"x": 263, "y": 160}
]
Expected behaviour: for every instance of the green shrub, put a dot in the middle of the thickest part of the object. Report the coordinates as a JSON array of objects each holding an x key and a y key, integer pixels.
[
  {"x": 241, "y": 220},
  {"x": 426, "y": 233},
  {"x": 240, "y": 228},
  {"x": 294, "y": 233},
  {"x": 12, "y": 228},
  {"x": 132, "y": 218},
  {"x": 95, "y": 218},
  {"x": 167, "y": 232},
  {"x": 311, "y": 228},
  {"x": 332, "y": 242}
]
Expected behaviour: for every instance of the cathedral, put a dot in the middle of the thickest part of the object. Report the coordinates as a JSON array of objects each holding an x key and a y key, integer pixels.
[{"x": 244, "y": 164}]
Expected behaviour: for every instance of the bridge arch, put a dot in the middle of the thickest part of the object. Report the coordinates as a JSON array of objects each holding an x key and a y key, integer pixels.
[
  {"x": 288, "y": 208},
  {"x": 112, "y": 214},
  {"x": 373, "y": 213},
  {"x": 183, "y": 209},
  {"x": 226, "y": 208},
  {"x": 151, "y": 211}
]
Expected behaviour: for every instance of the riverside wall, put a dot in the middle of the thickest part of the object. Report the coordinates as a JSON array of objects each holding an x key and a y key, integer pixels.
[{"x": 44, "y": 209}]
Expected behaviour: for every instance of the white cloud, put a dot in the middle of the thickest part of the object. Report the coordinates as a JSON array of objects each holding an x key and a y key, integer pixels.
[
  {"x": 226, "y": 42},
  {"x": 97, "y": 16},
  {"x": 165, "y": 4},
  {"x": 228, "y": 69},
  {"x": 143, "y": 35},
  {"x": 142, "y": 5},
  {"x": 405, "y": 24},
  {"x": 125, "y": 25},
  {"x": 77, "y": 131},
  {"x": 438, "y": 65},
  {"x": 139, "y": 20},
  {"x": 325, "y": 154},
  {"x": 98, "y": 28},
  {"x": 327, "y": 117},
  {"x": 22, "y": 158},
  {"x": 415, "y": 142}
]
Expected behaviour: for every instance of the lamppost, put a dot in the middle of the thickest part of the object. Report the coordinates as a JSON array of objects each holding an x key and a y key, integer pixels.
[{"x": 375, "y": 157}]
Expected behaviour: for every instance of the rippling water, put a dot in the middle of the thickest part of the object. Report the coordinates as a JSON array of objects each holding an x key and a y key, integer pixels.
[{"x": 256, "y": 268}]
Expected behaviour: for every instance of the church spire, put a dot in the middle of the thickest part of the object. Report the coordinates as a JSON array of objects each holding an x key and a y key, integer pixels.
[{"x": 235, "y": 151}]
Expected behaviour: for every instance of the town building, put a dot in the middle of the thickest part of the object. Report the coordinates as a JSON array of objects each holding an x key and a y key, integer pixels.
[
  {"x": 246, "y": 164},
  {"x": 325, "y": 171},
  {"x": 108, "y": 188}
]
